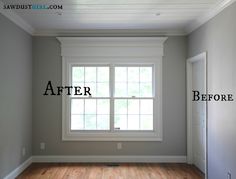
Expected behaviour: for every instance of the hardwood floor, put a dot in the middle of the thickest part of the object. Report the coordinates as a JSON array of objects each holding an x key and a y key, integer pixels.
[{"x": 103, "y": 171}]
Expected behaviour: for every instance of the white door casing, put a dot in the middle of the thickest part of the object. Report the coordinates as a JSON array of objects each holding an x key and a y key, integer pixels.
[{"x": 197, "y": 112}]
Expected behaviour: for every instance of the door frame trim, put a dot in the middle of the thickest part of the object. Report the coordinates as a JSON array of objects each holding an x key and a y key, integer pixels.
[{"x": 189, "y": 63}]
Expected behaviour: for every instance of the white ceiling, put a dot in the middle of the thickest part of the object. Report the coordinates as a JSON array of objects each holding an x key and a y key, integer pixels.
[{"x": 163, "y": 16}]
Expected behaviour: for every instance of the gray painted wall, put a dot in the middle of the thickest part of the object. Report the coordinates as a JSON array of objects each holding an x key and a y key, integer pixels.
[
  {"x": 15, "y": 95},
  {"x": 47, "y": 109},
  {"x": 218, "y": 38}
]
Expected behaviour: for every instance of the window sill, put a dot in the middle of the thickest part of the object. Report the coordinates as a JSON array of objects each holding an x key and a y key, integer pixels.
[{"x": 126, "y": 136}]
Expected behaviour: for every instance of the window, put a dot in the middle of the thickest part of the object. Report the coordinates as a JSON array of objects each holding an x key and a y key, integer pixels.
[
  {"x": 121, "y": 105},
  {"x": 91, "y": 113},
  {"x": 125, "y": 80},
  {"x": 132, "y": 100}
]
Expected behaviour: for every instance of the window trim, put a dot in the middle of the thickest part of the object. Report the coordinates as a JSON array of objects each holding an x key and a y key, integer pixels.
[
  {"x": 112, "y": 134},
  {"x": 151, "y": 54}
]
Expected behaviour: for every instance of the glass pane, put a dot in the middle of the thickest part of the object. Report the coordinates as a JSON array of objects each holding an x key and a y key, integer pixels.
[
  {"x": 146, "y": 106},
  {"x": 121, "y": 74},
  {"x": 145, "y": 89},
  {"x": 103, "y": 106},
  {"x": 77, "y": 106},
  {"x": 90, "y": 122},
  {"x": 133, "y": 122},
  {"x": 133, "y": 74},
  {"x": 77, "y": 122},
  {"x": 77, "y": 85},
  {"x": 121, "y": 106},
  {"x": 121, "y": 89},
  {"x": 133, "y": 89},
  {"x": 81, "y": 84},
  {"x": 90, "y": 74},
  {"x": 146, "y": 122},
  {"x": 120, "y": 122},
  {"x": 133, "y": 106},
  {"x": 90, "y": 106},
  {"x": 92, "y": 87},
  {"x": 145, "y": 74},
  {"x": 77, "y": 74},
  {"x": 103, "y": 122},
  {"x": 103, "y": 74},
  {"x": 103, "y": 90}
]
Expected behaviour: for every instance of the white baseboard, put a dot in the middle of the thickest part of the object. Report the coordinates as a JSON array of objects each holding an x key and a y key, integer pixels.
[
  {"x": 19, "y": 169},
  {"x": 106, "y": 159}
]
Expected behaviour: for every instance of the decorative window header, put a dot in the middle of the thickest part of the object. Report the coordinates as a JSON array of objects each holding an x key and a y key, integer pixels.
[{"x": 112, "y": 46}]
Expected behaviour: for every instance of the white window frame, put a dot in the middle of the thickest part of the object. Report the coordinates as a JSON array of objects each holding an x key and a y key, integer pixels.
[
  {"x": 106, "y": 51},
  {"x": 74, "y": 64}
]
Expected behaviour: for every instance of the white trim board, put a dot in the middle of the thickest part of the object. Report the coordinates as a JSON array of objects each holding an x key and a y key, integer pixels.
[
  {"x": 19, "y": 169},
  {"x": 189, "y": 63},
  {"x": 208, "y": 16},
  {"x": 111, "y": 32},
  {"x": 112, "y": 46},
  {"x": 11, "y": 15},
  {"x": 107, "y": 159}
]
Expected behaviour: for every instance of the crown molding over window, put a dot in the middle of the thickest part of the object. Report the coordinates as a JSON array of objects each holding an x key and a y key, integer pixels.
[{"x": 112, "y": 46}]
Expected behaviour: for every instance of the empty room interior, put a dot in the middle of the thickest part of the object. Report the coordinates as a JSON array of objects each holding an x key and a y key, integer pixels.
[{"x": 122, "y": 89}]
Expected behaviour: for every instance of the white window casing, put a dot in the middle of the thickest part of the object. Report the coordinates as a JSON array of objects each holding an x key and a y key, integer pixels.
[{"x": 113, "y": 51}]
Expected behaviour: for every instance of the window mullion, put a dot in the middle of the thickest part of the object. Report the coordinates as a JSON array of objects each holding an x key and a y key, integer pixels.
[{"x": 112, "y": 89}]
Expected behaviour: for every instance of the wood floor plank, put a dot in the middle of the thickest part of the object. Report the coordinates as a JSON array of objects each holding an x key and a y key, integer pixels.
[{"x": 104, "y": 171}]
